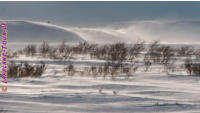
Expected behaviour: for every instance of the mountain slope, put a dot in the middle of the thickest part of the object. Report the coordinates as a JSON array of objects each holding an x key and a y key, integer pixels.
[
  {"x": 25, "y": 31},
  {"x": 176, "y": 32}
]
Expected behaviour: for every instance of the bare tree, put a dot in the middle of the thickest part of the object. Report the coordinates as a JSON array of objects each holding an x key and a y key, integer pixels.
[
  {"x": 192, "y": 67},
  {"x": 147, "y": 62},
  {"x": 154, "y": 51},
  {"x": 64, "y": 50},
  {"x": 62, "y": 47},
  {"x": 118, "y": 52},
  {"x": 167, "y": 59},
  {"x": 136, "y": 49},
  {"x": 30, "y": 50},
  {"x": 44, "y": 49},
  {"x": 106, "y": 69},
  {"x": 115, "y": 67},
  {"x": 186, "y": 51}
]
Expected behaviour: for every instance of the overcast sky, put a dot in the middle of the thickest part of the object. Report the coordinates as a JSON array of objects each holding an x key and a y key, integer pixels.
[{"x": 94, "y": 13}]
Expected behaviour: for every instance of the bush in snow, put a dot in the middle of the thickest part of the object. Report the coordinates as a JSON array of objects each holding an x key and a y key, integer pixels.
[
  {"x": 114, "y": 69},
  {"x": 25, "y": 70},
  {"x": 64, "y": 50},
  {"x": 147, "y": 62},
  {"x": 167, "y": 58},
  {"x": 136, "y": 49},
  {"x": 70, "y": 70},
  {"x": 154, "y": 51},
  {"x": 10, "y": 54},
  {"x": 30, "y": 50},
  {"x": 100, "y": 52},
  {"x": 192, "y": 68},
  {"x": 44, "y": 49},
  {"x": 94, "y": 71},
  {"x": 117, "y": 52},
  {"x": 185, "y": 51},
  {"x": 106, "y": 69},
  {"x": 128, "y": 69}
]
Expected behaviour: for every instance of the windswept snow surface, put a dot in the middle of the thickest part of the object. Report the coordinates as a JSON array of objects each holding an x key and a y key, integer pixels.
[{"x": 144, "y": 92}]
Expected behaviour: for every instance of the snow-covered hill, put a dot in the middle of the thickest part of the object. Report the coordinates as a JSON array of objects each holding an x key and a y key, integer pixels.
[
  {"x": 26, "y": 31},
  {"x": 166, "y": 31}
]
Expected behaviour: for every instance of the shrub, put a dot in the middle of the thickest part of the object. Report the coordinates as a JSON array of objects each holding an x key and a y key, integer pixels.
[
  {"x": 154, "y": 51},
  {"x": 196, "y": 69},
  {"x": 64, "y": 50},
  {"x": 100, "y": 70},
  {"x": 25, "y": 70},
  {"x": 136, "y": 50},
  {"x": 147, "y": 62},
  {"x": 192, "y": 68},
  {"x": 39, "y": 70},
  {"x": 53, "y": 54},
  {"x": 70, "y": 70},
  {"x": 129, "y": 69},
  {"x": 106, "y": 69},
  {"x": 94, "y": 71},
  {"x": 44, "y": 49},
  {"x": 30, "y": 50},
  {"x": 100, "y": 52},
  {"x": 84, "y": 48},
  {"x": 10, "y": 54},
  {"x": 117, "y": 52},
  {"x": 114, "y": 69},
  {"x": 186, "y": 51},
  {"x": 167, "y": 59},
  {"x": 13, "y": 69}
]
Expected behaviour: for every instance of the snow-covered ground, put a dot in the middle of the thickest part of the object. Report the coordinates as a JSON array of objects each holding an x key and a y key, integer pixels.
[{"x": 144, "y": 92}]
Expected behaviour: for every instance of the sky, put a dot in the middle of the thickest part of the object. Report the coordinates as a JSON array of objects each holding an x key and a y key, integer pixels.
[{"x": 97, "y": 13}]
